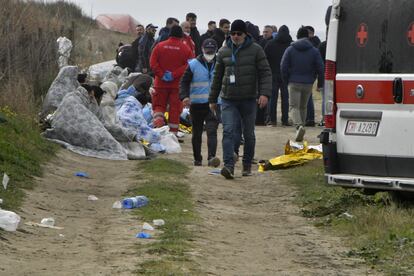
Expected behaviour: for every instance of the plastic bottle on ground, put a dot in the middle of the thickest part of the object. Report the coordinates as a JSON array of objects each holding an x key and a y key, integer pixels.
[
  {"x": 134, "y": 202},
  {"x": 158, "y": 222},
  {"x": 143, "y": 235}
]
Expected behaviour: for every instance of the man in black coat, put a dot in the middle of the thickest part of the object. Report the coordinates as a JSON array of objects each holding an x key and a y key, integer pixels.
[
  {"x": 195, "y": 34},
  {"x": 210, "y": 31},
  {"x": 222, "y": 32},
  {"x": 165, "y": 31},
  {"x": 267, "y": 36},
  {"x": 274, "y": 51},
  {"x": 144, "y": 48}
]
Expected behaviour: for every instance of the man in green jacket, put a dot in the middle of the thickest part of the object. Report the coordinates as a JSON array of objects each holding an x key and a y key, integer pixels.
[{"x": 241, "y": 77}]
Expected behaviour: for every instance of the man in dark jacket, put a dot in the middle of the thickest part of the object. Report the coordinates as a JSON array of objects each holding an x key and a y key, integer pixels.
[
  {"x": 274, "y": 51},
  {"x": 194, "y": 33},
  {"x": 210, "y": 31},
  {"x": 144, "y": 49},
  {"x": 194, "y": 92},
  {"x": 242, "y": 73},
  {"x": 300, "y": 65},
  {"x": 222, "y": 32},
  {"x": 266, "y": 37},
  {"x": 135, "y": 44},
  {"x": 165, "y": 31}
]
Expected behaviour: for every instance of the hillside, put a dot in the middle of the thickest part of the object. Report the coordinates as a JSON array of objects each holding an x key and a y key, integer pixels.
[{"x": 28, "y": 48}]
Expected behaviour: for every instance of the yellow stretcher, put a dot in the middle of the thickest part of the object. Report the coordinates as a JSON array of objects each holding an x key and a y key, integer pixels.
[{"x": 295, "y": 155}]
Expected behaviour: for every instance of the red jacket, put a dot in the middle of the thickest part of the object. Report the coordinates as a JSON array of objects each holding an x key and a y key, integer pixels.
[
  {"x": 170, "y": 55},
  {"x": 189, "y": 42}
]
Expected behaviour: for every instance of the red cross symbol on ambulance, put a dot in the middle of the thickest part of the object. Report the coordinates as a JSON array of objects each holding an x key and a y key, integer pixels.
[
  {"x": 362, "y": 35},
  {"x": 410, "y": 34}
]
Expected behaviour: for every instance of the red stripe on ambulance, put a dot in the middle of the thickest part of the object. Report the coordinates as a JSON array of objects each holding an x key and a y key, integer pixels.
[{"x": 374, "y": 92}]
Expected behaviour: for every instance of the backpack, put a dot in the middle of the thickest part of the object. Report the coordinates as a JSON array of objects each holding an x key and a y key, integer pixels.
[{"x": 126, "y": 57}]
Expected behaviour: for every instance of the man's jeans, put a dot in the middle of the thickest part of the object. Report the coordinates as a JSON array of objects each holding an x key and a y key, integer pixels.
[
  {"x": 277, "y": 84},
  {"x": 299, "y": 94},
  {"x": 310, "y": 114},
  {"x": 231, "y": 112}
]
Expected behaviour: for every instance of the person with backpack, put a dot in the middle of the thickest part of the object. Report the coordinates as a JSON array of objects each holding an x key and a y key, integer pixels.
[{"x": 194, "y": 92}]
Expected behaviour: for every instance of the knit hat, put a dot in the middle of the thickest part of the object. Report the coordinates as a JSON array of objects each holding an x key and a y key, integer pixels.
[
  {"x": 302, "y": 32},
  {"x": 238, "y": 26},
  {"x": 176, "y": 31},
  {"x": 209, "y": 46}
]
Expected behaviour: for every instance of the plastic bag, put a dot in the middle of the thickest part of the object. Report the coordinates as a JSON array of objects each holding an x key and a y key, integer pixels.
[
  {"x": 9, "y": 220},
  {"x": 171, "y": 144}
]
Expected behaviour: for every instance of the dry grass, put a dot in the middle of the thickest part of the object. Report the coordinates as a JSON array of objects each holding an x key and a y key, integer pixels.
[{"x": 28, "y": 49}]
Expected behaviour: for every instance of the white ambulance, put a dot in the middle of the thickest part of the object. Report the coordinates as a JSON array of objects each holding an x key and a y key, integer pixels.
[{"x": 368, "y": 140}]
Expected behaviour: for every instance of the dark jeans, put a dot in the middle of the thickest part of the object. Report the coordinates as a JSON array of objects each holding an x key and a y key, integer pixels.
[
  {"x": 201, "y": 113},
  {"x": 310, "y": 113},
  {"x": 272, "y": 106},
  {"x": 231, "y": 113}
]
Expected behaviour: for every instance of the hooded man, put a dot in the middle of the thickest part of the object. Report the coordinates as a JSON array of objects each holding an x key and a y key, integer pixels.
[
  {"x": 194, "y": 92},
  {"x": 300, "y": 65},
  {"x": 168, "y": 62},
  {"x": 274, "y": 51},
  {"x": 242, "y": 75}
]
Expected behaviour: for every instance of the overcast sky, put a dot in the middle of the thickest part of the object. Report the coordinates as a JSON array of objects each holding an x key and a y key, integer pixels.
[{"x": 292, "y": 13}]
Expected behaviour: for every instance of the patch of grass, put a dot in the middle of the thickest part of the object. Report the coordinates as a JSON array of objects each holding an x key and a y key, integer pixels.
[
  {"x": 378, "y": 229},
  {"x": 22, "y": 151},
  {"x": 164, "y": 183}
]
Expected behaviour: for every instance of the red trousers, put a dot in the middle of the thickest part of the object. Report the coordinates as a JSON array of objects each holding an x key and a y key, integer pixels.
[{"x": 160, "y": 99}]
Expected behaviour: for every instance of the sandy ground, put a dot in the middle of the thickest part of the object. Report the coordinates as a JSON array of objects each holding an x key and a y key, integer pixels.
[{"x": 249, "y": 226}]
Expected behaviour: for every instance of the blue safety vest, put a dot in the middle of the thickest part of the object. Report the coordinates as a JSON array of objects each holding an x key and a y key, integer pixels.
[{"x": 200, "y": 85}]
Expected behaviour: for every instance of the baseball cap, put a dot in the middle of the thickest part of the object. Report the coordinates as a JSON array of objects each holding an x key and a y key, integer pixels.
[
  {"x": 151, "y": 26},
  {"x": 209, "y": 45}
]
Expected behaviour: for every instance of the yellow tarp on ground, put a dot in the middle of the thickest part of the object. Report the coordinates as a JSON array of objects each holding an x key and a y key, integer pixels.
[
  {"x": 295, "y": 154},
  {"x": 182, "y": 128}
]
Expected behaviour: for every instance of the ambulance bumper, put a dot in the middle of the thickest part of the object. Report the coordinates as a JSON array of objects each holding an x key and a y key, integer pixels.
[{"x": 370, "y": 182}]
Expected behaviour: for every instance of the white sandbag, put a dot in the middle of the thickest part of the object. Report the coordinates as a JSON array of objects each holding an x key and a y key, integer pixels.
[
  {"x": 97, "y": 72},
  {"x": 170, "y": 142},
  {"x": 64, "y": 49},
  {"x": 9, "y": 220}
]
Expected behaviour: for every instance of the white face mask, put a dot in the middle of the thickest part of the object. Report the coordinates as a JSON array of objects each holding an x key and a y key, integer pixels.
[
  {"x": 209, "y": 57},
  {"x": 187, "y": 33}
]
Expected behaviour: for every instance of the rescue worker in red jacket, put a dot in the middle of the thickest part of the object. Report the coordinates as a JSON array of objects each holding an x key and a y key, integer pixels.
[{"x": 168, "y": 61}]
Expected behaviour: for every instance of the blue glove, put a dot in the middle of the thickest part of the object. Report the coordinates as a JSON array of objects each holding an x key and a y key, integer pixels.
[{"x": 168, "y": 77}]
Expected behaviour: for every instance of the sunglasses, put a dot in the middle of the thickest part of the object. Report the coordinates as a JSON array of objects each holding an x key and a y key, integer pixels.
[{"x": 236, "y": 33}]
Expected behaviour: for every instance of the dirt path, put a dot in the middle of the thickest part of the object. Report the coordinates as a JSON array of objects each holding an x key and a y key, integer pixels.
[
  {"x": 249, "y": 226},
  {"x": 97, "y": 240}
]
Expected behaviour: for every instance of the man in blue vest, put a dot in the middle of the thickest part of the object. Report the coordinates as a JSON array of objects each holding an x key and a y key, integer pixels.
[{"x": 194, "y": 92}]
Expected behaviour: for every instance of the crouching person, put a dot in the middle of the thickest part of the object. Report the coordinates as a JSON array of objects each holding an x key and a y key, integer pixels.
[{"x": 194, "y": 92}]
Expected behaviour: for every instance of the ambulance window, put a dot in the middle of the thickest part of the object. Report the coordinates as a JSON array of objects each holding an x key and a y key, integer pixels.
[
  {"x": 359, "y": 36},
  {"x": 374, "y": 37}
]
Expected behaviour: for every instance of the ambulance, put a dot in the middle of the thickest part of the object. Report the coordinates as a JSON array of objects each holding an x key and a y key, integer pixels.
[{"x": 368, "y": 140}]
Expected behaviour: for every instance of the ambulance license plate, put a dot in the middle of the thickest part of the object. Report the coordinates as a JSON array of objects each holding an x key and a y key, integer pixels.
[{"x": 364, "y": 128}]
